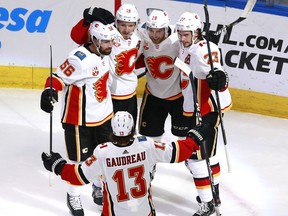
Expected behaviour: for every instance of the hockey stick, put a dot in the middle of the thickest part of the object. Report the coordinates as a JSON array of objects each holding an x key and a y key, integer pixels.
[
  {"x": 216, "y": 92},
  {"x": 186, "y": 69},
  {"x": 51, "y": 113},
  {"x": 248, "y": 8},
  {"x": 218, "y": 106},
  {"x": 142, "y": 74}
]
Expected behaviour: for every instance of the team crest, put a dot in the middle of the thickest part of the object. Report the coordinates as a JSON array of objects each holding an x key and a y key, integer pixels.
[
  {"x": 95, "y": 71},
  {"x": 126, "y": 62},
  {"x": 100, "y": 88}
]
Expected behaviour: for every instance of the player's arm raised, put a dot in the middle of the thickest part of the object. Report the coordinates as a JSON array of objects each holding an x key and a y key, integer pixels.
[{"x": 181, "y": 150}]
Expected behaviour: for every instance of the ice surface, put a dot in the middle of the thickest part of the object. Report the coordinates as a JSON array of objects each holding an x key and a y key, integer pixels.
[{"x": 257, "y": 146}]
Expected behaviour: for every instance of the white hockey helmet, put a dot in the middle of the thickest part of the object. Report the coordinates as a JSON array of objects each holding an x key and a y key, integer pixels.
[
  {"x": 189, "y": 22},
  {"x": 122, "y": 123},
  {"x": 128, "y": 13},
  {"x": 157, "y": 19},
  {"x": 101, "y": 31}
]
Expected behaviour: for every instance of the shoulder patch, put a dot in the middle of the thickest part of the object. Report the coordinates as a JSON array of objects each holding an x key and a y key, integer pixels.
[
  {"x": 80, "y": 55},
  {"x": 142, "y": 138}
]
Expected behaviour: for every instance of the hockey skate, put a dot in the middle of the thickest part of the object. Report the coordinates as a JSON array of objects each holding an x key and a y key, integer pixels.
[
  {"x": 74, "y": 205},
  {"x": 217, "y": 200},
  {"x": 97, "y": 195},
  {"x": 206, "y": 208},
  {"x": 217, "y": 210}
]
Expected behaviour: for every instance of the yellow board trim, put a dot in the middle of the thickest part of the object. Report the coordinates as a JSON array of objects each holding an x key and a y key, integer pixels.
[
  {"x": 23, "y": 77},
  {"x": 243, "y": 100},
  {"x": 260, "y": 103}
]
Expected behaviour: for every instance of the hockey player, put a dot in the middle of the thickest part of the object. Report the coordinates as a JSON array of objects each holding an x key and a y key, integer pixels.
[
  {"x": 194, "y": 53},
  {"x": 87, "y": 105},
  {"x": 125, "y": 51},
  {"x": 162, "y": 95},
  {"x": 126, "y": 164}
]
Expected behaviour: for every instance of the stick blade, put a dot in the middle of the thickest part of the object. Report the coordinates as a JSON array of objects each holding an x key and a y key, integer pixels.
[{"x": 182, "y": 66}]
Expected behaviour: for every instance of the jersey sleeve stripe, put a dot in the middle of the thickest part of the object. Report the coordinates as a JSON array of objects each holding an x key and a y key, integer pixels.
[
  {"x": 73, "y": 174},
  {"x": 81, "y": 175},
  {"x": 175, "y": 152}
]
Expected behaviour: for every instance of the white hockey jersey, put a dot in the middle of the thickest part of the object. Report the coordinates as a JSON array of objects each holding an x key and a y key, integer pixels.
[
  {"x": 83, "y": 77},
  {"x": 126, "y": 170},
  {"x": 196, "y": 56},
  {"x": 163, "y": 78},
  {"x": 122, "y": 58}
]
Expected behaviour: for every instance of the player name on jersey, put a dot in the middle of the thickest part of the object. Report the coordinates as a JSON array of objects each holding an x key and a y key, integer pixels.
[{"x": 125, "y": 160}]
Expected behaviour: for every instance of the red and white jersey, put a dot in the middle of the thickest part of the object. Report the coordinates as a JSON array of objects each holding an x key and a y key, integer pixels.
[
  {"x": 123, "y": 57},
  {"x": 83, "y": 78},
  {"x": 196, "y": 56},
  {"x": 163, "y": 78},
  {"x": 122, "y": 61},
  {"x": 126, "y": 170}
]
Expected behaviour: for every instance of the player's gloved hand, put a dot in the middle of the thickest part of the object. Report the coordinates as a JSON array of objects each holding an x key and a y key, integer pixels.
[
  {"x": 217, "y": 80},
  {"x": 200, "y": 132},
  {"x": 54, "y": 162},
  {"x": 97, "y": 14},
  {"x": 47, "y": 101}
]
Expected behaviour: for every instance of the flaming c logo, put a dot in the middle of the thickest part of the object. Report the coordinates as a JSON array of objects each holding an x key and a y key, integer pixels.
[
  {"x": 126, "y": 62},
  {"x": 100, "y": 87},
  {"x": 154, "y": 65}
]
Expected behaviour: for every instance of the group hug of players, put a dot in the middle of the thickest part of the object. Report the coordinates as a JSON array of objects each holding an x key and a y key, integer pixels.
[{"x": 99, "y": 109}]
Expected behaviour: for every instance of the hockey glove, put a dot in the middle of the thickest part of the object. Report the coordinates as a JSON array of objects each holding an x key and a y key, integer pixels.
[
  {"x": 97, "y": 14},
  {"x": 54, "y": 162},
  {"x": 217, "y": 79},
  {"x": 46, "y": 103},
  {"x": 200, "y": 132}
]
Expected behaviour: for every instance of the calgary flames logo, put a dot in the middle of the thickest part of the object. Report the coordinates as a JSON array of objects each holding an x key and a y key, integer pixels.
[
  {"x": 100, "y": 88},
  {"x": 126, "y": 62},
  {"x": 155, "y": 64}
]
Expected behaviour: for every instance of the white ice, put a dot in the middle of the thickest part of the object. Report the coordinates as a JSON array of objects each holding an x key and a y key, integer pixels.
[{"x": 257, "y": 147}]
